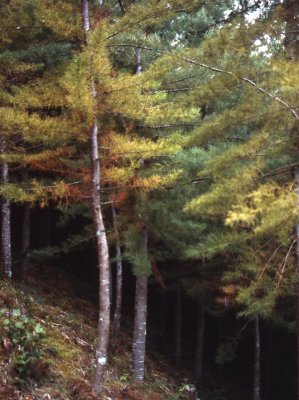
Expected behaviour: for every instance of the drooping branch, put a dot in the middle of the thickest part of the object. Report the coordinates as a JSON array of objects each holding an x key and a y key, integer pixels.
[{"x": 219, "y": 70}]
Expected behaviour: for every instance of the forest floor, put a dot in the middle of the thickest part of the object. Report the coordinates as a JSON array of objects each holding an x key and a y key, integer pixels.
[{"x": 65, "y": 357}]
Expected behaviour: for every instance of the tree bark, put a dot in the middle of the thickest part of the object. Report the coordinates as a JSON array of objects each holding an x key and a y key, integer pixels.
[
  {"x": 139, "y": 338},
  {"x": 297, "y": 284},
  {"x": 26, "y": 231},
  {"x": 178, "y": 325},
  {"x": 5, "y": 219},
  {"x": 268, "y": 382},
  {"x": 257, "y": 361},
  {"x": 104, "y": 266},
  {"x": 85, "y": 16},
  {"x": 199, "y": 344},
  {"x": 138, "y": 61},
  {"x": 102, "y": 245},
  {"x": 119, "y": 281}
]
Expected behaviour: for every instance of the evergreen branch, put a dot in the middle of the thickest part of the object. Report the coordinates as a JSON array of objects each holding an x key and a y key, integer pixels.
[
  {"x": 222, "y": 71},
  {"x": 281, "y": 170},
  {"x": 284, "y": 264},
  {"x": 278, "y": 99},
  {"x": 173, "y": 90},
  {"x": 168, "y": 125},
  {"x": 267, "y": 264},
  {"x": 143, "y": 19},
  {"x": 233, "y": 15},
  {"x": 56, "y": 186},
  {"x": 180, "y": 80},
  {"x": 140, "y": 84},
  {"x": 242, "y": 330},
  {"x": 244, "y": 79}
]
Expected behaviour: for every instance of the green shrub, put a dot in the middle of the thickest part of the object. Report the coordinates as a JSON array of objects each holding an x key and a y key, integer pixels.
[{"x": 21, "y": 336}]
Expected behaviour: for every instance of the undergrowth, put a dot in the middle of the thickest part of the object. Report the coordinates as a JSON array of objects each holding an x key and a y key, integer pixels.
[{"x": 47, "y": 348}]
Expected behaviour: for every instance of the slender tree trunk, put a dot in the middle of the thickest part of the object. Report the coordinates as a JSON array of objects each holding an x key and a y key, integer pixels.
[
  {"x": 178, "y": 325},
  {"x": 5, "y": 219},
  {"x": 47, "y": 227},
  {"x": 220, "y": 339},
  {"x": 139, "y": 338},
  {"x": 297, "y": 284},
  {"x": 85, "y": 15},
  {"x": 138, "y": 61},
  {"x": 26, "y": 231},
  {"x": 119, "y": 281},
  {"x": 102, "y": 245},
  {"x": 269, "y": 365},
  {"x": 162, "y": 313},
  {"x": 104, "y": 267},
  {"x": 257, "y": 361},
  {"x": 199, "y": 343},
  {"x": 291, "y": 46}
]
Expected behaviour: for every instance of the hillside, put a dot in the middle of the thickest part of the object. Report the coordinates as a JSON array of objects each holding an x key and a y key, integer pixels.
[{"x": 63, "y": 367}]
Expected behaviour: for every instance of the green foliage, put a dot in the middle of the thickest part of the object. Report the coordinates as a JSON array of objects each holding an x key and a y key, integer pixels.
[
  {"x": 22, "y": 336},
  {"x": 185, "y": 391},
  {"x": 136, "y": 252}
]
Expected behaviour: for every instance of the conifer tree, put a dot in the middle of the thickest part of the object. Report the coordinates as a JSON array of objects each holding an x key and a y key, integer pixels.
[
  {"x": 102, "y": 245},
  {"x": 25, "y": 58}
]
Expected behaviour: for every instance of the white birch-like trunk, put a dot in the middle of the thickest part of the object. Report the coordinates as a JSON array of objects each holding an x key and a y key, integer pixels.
[
  {"x": 139, "y": 339},
  {"x": 5, "y": 219},
  {"x": 119, "y": 283},
  {"x": 104, "y": 267},
  {"x": 102, "y": 245}
]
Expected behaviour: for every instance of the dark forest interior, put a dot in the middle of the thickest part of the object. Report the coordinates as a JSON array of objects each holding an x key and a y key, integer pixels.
[{"x": 149, "y": 183}]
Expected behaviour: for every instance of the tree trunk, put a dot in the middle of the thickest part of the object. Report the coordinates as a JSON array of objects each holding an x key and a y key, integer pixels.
[
  {"x": 291, "y": 45},
  {"x": 102, "y": 245},
  {"x": 104, "y": 267},
  {"x": 178, "y": 325},
  {"x": 46, "y": 233},
  {"x": 220, "y": 340},
  {"x": 162, "y": 313},
  {"x": 85, "y": 15},
  {"x": 199, "y": 344},
  {"x": 257, "y": 362},
  {"x": 139, "y": 338},
  {"x": 268, "y": 383},
  {"x": 297, "y": 284},
  {"x": 119, "y": 282},
  {"x": 26, "y": 230},
  {"x": 5, "y": 219}
]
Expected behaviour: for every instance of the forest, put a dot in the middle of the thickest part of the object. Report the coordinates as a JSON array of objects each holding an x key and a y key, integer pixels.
[{"x": 149, "y": 198}]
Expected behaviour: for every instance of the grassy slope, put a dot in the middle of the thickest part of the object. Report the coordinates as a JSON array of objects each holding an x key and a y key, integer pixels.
[{"x": 70, "y": 324}]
